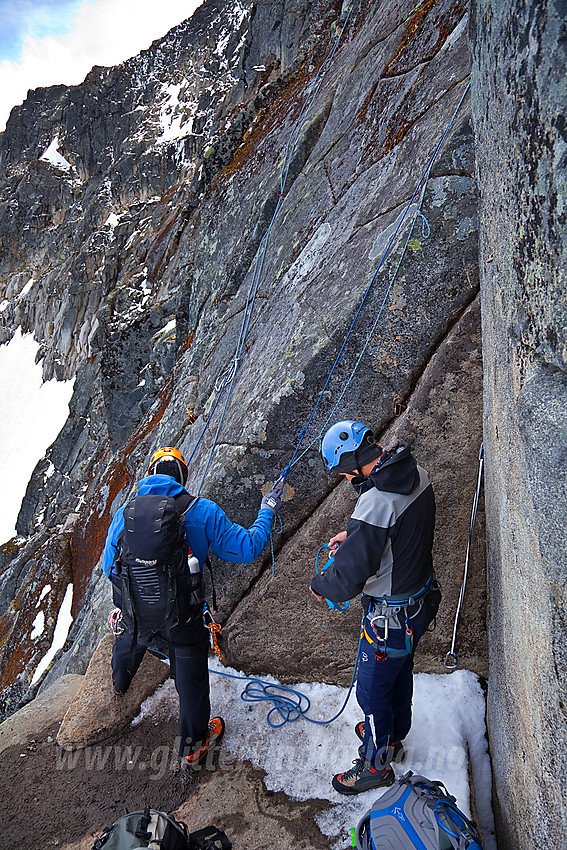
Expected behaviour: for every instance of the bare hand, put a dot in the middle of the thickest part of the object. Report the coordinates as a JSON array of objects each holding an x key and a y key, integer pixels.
[
  {"x": 336, "y": 541},
  {"x": 317, "y": 597}
]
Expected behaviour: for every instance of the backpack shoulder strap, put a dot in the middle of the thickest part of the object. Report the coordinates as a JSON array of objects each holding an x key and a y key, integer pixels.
[
  {"x": 185, "y": 502},
  {"x": 213, "y": 589},
  {"x": 209, "y": 837}
]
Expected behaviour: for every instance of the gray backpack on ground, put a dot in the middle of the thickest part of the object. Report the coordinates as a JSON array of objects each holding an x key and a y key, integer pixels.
[
  {"x": 416, "y": 814},
  {"x": 158, "y": 831}
]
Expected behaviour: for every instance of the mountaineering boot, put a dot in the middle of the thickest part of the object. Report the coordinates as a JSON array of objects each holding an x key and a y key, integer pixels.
[
  {"x": 216, "y": 731},
  {"x": 361, "y": 777},
  {"x": 397, "y": 747}
]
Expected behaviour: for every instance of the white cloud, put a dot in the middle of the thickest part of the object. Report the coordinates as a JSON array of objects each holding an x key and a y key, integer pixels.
[{"x": 104, "y": 32}]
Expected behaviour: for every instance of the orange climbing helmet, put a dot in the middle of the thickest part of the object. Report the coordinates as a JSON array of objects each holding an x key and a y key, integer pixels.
[{"x": 172, "y": 458}]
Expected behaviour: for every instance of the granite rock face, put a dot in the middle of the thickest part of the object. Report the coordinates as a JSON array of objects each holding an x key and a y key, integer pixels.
[
  {"x": 519, "y": 94},
  {"x": 96, "y": 713},
  {"x": 297, "y": 635},
  {"x": 132, "y": 256}
]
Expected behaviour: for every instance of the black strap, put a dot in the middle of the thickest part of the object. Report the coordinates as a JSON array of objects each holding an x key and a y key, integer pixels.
[
  {"x": 213, "y": 590},
  {"x": 171, "y": 659},
  {"x": 186, "y": 502},
  {"x": 193, "y": 501},
  {"x": 132, "y": 654},
  {"x": 206, "y": 839},
  {"x": 142, "y": 828},
  {"x": 128, "y": 609}
]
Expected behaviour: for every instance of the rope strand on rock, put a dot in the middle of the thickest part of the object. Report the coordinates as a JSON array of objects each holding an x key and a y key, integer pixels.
[
  {"x": 421, "y": 185},
  {"x": 228, "y": 379}
]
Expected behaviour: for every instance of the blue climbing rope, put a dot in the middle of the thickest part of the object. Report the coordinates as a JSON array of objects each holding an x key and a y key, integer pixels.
[
  {"x": 335, "y": 606},
  {"x": 228, "y": 379},
  {"x": 289, "y": 703},
  {"x": 421, "y": 185}
]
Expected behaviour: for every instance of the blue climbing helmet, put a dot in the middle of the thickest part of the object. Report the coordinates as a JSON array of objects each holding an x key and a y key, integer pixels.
[{"x": 348, "y": 446}]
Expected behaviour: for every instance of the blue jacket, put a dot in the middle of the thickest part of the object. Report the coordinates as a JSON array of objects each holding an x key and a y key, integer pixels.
[{"x": 206, "y": 525}]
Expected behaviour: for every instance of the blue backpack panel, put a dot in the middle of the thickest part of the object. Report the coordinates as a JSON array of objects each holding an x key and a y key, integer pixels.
[{"x": 416, "y": 813}]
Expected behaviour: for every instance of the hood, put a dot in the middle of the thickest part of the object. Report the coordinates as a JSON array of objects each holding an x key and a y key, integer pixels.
[
  {"x": 161, "y": 485},
  {"x": 395, "y": 472}
]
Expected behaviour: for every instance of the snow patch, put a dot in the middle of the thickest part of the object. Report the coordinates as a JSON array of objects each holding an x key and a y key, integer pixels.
[
  {"x": 64, "y": 620},
  {"x": 111, "y": 221},
  {"x": 176, "y": 119},
  {"x": 38, "y": 626},
  {"x": 33, "y": 413},
  {"x": 53, "y": 157},
  {"x": 43, "y": 594},
  {"x": 27, "y": 287},
  {"x": 300, "y": 758}
]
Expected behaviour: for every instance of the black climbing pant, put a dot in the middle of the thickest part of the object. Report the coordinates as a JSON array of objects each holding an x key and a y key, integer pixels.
[{"x": 190, "y": 644}]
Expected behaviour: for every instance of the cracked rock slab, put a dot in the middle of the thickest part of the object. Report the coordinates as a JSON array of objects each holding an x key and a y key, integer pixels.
[
  {"x": 97, "y": 713},
  {"x": 237, "y": 801}
]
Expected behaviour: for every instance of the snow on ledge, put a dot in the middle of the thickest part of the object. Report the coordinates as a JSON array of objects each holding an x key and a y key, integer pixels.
[
  {"x": 53, "y": 157},
  {"x": 33, "y": 413},
  {"x": 64, "y": 620},
  {"x": 300, "y": 758},
  {"x": 38, "y": 626}
]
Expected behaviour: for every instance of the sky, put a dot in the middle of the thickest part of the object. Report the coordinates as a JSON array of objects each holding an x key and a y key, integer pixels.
[{"x": 48, "y": 42}]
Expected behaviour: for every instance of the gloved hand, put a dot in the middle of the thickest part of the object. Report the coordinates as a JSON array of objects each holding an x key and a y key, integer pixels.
[{"x": 272, "y": 501}]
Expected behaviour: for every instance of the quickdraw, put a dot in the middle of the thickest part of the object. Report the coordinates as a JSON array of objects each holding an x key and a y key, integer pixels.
[
  {"x": 334, "y": 606},
  {"x": 389, "y": 607},
  {"x": 114, "y": 622},
  {"x": 382, "y": 651},
  {"x": 214, "y": 629}
]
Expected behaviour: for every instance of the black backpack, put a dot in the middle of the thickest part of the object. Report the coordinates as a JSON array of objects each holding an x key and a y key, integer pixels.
[
  {"x": 160, "y": 831},
  {"x": 155, "y": 588}
]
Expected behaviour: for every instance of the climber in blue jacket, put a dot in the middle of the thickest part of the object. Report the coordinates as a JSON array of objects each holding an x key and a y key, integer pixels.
[{"x": 206, "y": 526}]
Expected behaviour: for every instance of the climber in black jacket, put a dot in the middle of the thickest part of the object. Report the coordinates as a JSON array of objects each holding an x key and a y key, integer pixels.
[{"x": 385, "y": 554}]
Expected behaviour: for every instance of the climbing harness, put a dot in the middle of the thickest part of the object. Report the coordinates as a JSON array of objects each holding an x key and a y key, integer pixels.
[
  {"x": 384, "y": 609},
  {"x": 288, "y": 703},
  {"x": 451, "y": 657},
  {"x": 227, "y": 381},
  {"x": 334, "y": 606}
]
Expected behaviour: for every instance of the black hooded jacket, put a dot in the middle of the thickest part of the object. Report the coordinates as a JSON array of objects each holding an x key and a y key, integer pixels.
[{"x": 387, "y": 551}]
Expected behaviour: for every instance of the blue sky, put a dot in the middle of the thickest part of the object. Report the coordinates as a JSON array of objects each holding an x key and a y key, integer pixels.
[
  {"x": 29, "y": 18},
  {"x": 48, "y": 42}
]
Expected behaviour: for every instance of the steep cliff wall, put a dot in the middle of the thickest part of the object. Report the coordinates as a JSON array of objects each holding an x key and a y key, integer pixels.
[
  {"x": 519, "y": 96},
  {"x": 142, "y": 250}
]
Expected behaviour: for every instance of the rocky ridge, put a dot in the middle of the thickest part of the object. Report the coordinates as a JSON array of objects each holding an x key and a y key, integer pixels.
[{"x": 140, "y": 242}]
